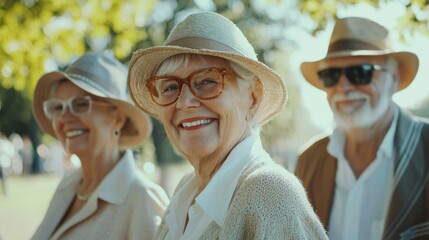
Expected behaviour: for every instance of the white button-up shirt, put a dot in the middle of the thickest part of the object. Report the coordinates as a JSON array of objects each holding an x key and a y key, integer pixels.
[
  {"x": 360, "y": 205},
  {"x": 213, "y": 202}
]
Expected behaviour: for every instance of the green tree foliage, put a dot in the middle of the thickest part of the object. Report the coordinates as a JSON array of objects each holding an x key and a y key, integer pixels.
[
  {"x": 16, "y": 117},
  {"x": 415, "y": 19},
  {"x": 38, "y": 35},
  {"x": 15, "y": 111}
]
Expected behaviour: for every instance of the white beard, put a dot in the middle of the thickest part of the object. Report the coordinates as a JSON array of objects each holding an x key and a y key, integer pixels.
[{"x": 360, "y": 115}]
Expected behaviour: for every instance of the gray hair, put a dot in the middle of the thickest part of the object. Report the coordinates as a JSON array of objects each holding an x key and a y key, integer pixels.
[{"x": 392, "y": 66}]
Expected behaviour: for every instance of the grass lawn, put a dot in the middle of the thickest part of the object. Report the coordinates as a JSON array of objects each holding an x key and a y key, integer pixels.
[{"x": 24, "y": 205}]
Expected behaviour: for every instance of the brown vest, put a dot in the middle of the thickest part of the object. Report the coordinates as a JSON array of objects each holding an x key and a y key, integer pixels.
[{"x": 409, "y": 204}]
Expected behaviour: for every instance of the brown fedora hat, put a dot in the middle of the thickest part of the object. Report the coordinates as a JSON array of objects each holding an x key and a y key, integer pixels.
[
  {"x": 103, "y": 77},
  {"x": 210, "y": 34},
  {"x": 355, "y": 36}
]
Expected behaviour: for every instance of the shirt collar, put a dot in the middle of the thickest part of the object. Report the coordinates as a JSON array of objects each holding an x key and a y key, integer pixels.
[
  {"x": 215, "y": 203},
  {"x": 70, "y": 179},
  {"x": 386, "y": 146},
  {"x": 115, "y": 186},
  {"x": 179, "y": 204},
  {"x": 336, "y": 144}
]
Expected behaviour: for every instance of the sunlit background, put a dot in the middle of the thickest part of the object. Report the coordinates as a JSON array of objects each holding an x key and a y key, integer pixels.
[{"x": 38, "y": 36}]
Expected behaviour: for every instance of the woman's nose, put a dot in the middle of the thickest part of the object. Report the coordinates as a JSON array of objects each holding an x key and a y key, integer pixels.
[
  {"x": 186, "y": 98},
  {"x": 67, "y": 114}
]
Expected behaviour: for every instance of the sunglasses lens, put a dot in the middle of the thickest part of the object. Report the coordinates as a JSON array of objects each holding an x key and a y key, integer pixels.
[
  {"x": 330, "y": 76},
  {"x": 357, "y": 75},
  {"x": 361, "y": 74}
]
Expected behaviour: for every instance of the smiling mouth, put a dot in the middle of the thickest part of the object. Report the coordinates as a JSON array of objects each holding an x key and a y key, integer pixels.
[
  {"x": 350, "y": 106},
  {"x": 74, "y": 133},
  {"x": 350, "y": 101},
  {"x": 197, "y": 123}
]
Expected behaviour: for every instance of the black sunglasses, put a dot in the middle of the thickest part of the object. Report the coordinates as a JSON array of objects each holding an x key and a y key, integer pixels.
[{"x": 357, "y": 74}]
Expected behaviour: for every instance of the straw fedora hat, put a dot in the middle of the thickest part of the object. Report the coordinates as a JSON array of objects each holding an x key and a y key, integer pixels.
[
  {"x": 103, "y": 77},
  {"x": 354, "y": 36},
  {"x": 208, "y": 34}
]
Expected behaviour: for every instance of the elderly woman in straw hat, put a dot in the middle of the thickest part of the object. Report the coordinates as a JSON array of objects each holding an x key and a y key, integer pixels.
[
  {"x": 87, "y": 109},
  {"x": 212, "y": 95}
]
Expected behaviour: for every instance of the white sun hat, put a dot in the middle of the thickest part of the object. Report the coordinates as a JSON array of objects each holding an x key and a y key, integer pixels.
[{"x": 103, "y": 77}]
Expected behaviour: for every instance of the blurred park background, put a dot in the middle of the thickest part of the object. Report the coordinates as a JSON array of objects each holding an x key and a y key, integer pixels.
[{"x": 38, "y": 36}]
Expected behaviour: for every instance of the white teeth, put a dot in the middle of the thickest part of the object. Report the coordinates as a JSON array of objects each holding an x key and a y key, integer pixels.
[
  {"x": 74, "y": 133},
  {"x": 196, "y": 123}
]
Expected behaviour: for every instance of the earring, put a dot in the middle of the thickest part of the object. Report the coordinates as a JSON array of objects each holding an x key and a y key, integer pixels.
[{"x": 116, "y": 132}]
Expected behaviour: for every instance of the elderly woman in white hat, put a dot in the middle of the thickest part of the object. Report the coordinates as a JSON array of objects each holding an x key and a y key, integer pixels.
[
  {"x": 88, "y": 110},
  {"x": 212, "y": 95}
]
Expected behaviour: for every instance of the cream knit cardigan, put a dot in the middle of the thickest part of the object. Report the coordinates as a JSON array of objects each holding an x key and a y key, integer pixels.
[{"x": 268, "y": 203}]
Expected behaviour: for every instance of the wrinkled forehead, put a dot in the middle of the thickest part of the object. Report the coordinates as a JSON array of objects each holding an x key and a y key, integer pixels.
[{"x": 351, "y": 60}]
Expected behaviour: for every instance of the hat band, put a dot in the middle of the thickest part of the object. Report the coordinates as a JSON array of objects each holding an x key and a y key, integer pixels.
[
  {"x": 351, "y": 45},
  {"x": 203, "y": 43},
  {"x": 82, "y": 80}
]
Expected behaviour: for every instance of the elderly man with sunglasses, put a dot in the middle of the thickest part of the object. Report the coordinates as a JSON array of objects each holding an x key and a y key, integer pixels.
[{"x": 369, "y": 178}]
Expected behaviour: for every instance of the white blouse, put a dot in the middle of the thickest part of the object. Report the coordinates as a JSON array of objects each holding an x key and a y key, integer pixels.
[{"x": 213, "y": 202}]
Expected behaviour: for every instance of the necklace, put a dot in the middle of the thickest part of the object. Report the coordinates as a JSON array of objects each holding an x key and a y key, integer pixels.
[{"x": 83, "y": 197}]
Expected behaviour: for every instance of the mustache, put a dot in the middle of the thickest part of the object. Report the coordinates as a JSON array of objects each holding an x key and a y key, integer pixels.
[{"x": 352, "y": 95}]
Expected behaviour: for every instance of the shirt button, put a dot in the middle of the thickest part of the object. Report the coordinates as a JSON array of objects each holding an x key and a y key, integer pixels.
[{"x": 193, "y": 211}]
